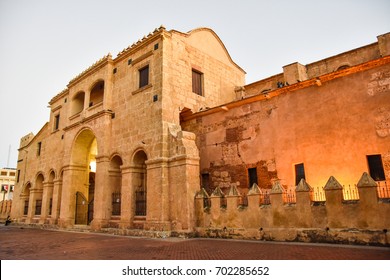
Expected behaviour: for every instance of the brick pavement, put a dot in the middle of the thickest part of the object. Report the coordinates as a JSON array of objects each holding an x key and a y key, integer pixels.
[{"x": 37, "y": 244}]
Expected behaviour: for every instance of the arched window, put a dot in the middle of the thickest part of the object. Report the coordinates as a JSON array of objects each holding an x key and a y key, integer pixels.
[
  {"x": 77, "y": 103},
  {"x": 97, "y": 94}
]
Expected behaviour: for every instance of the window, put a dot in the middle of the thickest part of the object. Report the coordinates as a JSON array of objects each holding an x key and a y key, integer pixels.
[
  {"x": 39, "y": 147},
  {"x": 56, "y": 122},
  {"x": 206, "y": 181},
  {"x": 197, "y": 82},
  {"x": 252, "y": 175},
  {"x": 38, "y": 207},
  {"x": 25, "y": 211},
  {"x": 375, "y": 167},
  {"x": 144, "y": 76},
  {"x": 18, "y": 176},
  {"x": 299, "y": 173}
]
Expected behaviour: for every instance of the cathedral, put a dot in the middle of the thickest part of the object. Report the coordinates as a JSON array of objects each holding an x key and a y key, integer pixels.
[{"x": 135, "y": 140}]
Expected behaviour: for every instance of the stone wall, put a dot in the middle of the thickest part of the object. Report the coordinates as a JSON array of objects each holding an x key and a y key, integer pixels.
[
  {"x": 329, "y": 127},
  {"x": 361, "y": 221}
]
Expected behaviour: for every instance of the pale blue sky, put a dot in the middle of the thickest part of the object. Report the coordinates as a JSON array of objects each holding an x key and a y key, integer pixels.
[{"x": 45, "y": 43}]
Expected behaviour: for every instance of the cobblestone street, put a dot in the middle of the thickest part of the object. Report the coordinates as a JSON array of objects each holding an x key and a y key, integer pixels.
[{"x": 36, "y": 244}]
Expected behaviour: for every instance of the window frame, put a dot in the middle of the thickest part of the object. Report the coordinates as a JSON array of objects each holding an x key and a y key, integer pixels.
[
  {"x": 197, "y": 82},
  {"x": 143, "y": 78},
  {"x": 300, "y": 173},
  {"x": 39, "y": 148},
  {"x": 57, "y": 122},
  {"x": 375, "y": 167},
  {"x": 252, "y": 174}
]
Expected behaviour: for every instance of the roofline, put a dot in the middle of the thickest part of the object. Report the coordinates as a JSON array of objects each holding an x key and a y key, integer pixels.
[
  {"x": 189, "y": 33},
  {"x": 35, "y": 136},
  {"x": 294, "y": 87}
]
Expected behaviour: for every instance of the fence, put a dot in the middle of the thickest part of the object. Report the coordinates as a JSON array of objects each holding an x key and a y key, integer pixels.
[
  {"x": 317, "y": 194},
  {"x": 351, "y": 192}
]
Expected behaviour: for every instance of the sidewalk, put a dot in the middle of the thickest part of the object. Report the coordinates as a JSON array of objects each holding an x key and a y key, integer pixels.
[{"x": 36, "y": 244}]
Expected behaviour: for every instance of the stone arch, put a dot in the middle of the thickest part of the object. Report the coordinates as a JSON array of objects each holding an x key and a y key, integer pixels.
[
  {"x": 96, "y": 94},
  {"x": 38, "y": 194},
  {"x": 342, "y": 67},
  {"x": 83, "y": 169},
  {"x": 49, "y": 192},
  {"x": 139, "y": 181},
  {"x": 39, "y": 179},
  {"x": 25, "y": 195},
  {"x": 115, "y": 184},
  {"x": 77, "y": 103},
  {"x": 52, "y": 175}
]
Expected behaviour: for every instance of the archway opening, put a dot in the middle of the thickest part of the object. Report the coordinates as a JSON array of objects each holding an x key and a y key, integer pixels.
[
  {"x": 38, "y": 198},
  {"x": 116, "y": 185},
  {"x": 140, "y": 183},
  {"x": 97, "y": 94},
  {"x": 84, "y": 154},
  {"x": 26, "y": 195},
  {"x": 77, "y": 104}
]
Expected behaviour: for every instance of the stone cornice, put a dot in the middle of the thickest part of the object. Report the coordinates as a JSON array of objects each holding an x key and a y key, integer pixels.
[
  {"x": 157, "y": 33},
  {"x": 89, "y": 118},
  {"x": 95, "y": 67}
]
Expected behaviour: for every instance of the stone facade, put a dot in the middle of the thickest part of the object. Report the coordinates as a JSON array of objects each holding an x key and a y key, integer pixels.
[
  {"x": 132, "y": 140},
  {"x": 113, "y": 153}
]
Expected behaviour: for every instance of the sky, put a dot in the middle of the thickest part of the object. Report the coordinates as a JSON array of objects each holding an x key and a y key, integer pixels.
[{"x": 46, "y": 43}]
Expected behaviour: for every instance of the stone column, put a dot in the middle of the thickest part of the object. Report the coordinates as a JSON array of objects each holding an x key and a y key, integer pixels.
[
  {"x": 56, "y": 201},
  {"x": 303, "y": 204},
  {"x": 276, "y": 195},
  {"x": 74, "y": 179},
  {"x": 34, "y": 195},
  {"x": 127, "y": 198},
  {"x": 368, "y": 204},
  {"x": 215, "y": 209},
  {"x": 254, "y": 197},
  {"x": 47, "y": 194},
  {"x": 233, "y": 199},
  {"x": 334, "y": 199},
  {"x": 200, "y": 208},
  {"x": 102, "y": 195},
  {"x": 158, "y": 196}
]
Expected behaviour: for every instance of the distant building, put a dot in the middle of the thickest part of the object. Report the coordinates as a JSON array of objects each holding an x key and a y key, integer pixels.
[
  {"x": 133, "y": 139},
  {"x": 7, "y": 183}
]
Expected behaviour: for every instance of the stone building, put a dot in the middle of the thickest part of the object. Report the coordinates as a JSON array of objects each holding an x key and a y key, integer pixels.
[
  {"x": 133, "y": 139},
  {"x": 113, "y": 153},
  {"x": 7, "y": 184}
]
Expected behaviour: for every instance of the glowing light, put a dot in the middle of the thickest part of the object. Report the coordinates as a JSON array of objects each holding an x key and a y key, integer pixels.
[{"x": 92, "y": 166}]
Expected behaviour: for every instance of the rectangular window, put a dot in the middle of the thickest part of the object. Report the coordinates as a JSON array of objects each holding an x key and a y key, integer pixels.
[
  {"x": 252, "y": 176},
  {"x": 38, "y": 207},
  {"x": 144, "y": 76},
  {"x": 375, "y": 167},
  {"x": 206, "y": 181},
  {"x": 197, "y": 82},
  {"x": 299, "y": 173},
  {"x": 39, "y": 147},
  {"x": 56, "y": 122},
  {"x": 25, "y": 211},
  {"x": 18, "y": 176}
]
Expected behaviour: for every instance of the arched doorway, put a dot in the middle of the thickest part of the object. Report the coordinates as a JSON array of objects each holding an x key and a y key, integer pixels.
[
  {"x": 140, "y": 183},
  {"x": 83, "y": 159},
  {"x": 38, "y": 190},
  {"x": 26, "y": 197},
  {"x": 116, "y": 185}
]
